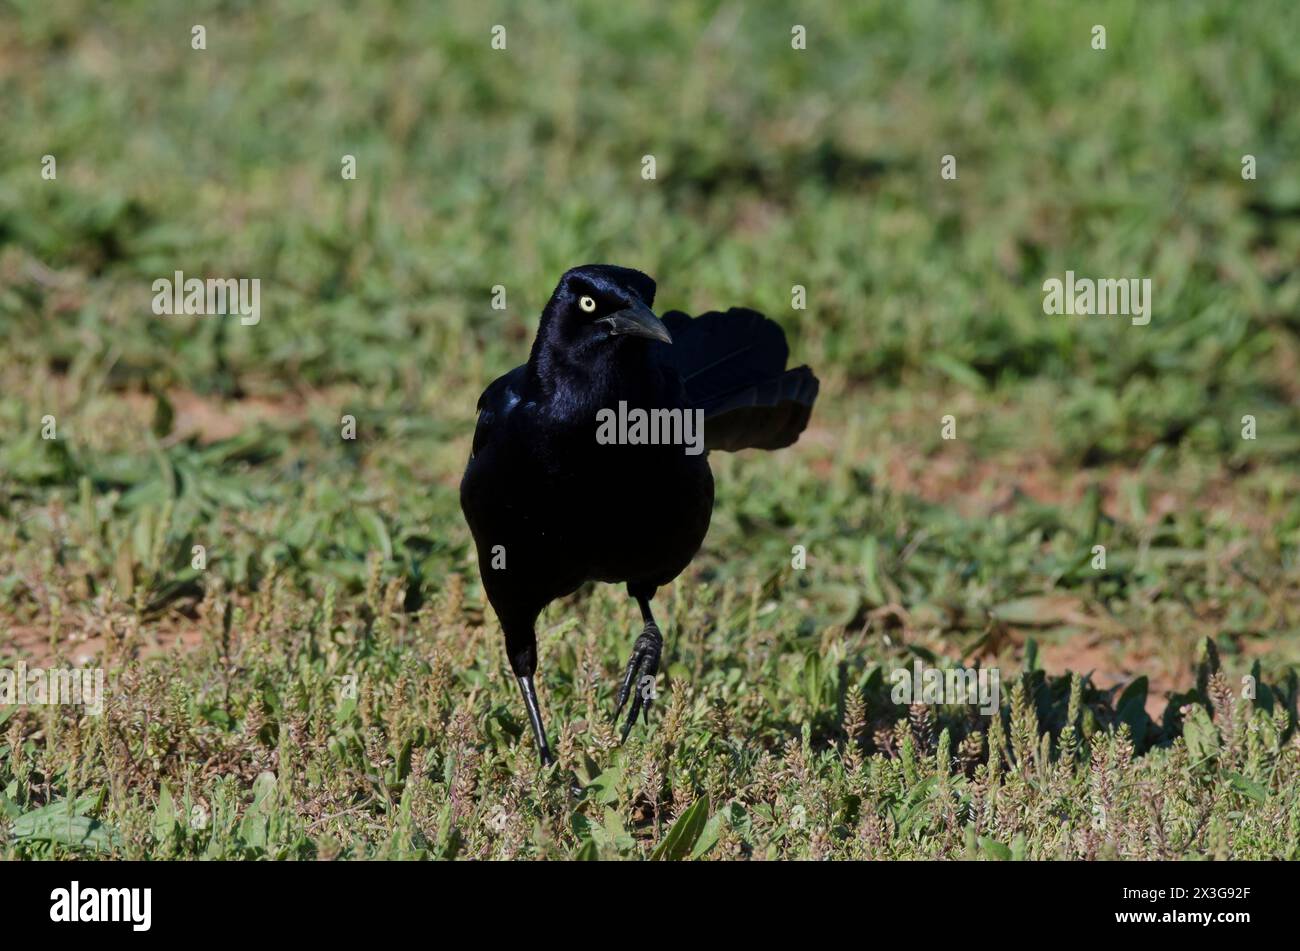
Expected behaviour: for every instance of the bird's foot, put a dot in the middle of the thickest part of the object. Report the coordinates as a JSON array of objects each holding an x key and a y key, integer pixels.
[{"x": 639, "y": 680}]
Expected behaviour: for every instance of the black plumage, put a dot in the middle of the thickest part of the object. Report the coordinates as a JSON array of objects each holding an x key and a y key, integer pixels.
[{"x": 551, "y": 507}]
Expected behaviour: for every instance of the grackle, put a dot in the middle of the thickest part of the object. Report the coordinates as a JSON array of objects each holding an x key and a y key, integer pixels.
[{"x": 552, "y": 506}]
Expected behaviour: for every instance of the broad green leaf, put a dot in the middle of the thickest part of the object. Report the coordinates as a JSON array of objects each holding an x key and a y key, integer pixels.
[
  {"x": 686, "y": 831},
  {"x": 378, "y": 532},
  {"x": 253, "y": 827},
  {"x": 604, "y": 788},
  {"x": 1131, "y": 709},
  {"x": 1247, "y": 787},
  {"x": 164, "y": 817},
  {"x": 709, "y": 837},
  {"x": 1200, "y": 735},
  {"x": 65, "y": 822},
  {"x": 995, "y": 849}
]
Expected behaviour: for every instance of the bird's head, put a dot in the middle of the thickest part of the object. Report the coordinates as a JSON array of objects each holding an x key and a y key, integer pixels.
[{"x": 598, "y": 305}]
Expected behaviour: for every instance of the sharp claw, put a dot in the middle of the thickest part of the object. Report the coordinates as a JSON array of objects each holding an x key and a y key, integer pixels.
[
  {"x": 631, "y": 721},
  {"x": 629, "y": 678}
]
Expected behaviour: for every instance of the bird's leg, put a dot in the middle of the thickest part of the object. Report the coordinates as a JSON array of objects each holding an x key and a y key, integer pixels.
[
  {"x": 535, "y": 717},
  {"x": 642, "y": 667}
]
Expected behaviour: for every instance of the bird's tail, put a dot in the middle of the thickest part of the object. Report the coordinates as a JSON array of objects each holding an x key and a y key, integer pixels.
[{"x": 733, "y": 367}]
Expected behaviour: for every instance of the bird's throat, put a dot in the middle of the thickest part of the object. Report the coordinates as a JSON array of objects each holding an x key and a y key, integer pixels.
[{"x": 578, "y": 383}]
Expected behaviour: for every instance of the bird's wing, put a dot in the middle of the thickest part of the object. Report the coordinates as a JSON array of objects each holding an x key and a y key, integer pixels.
[
  {"x": 501, "y": 396},
  {"x": 733, "y": 367}
]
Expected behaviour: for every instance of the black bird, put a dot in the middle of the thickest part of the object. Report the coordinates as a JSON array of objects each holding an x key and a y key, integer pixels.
[{"x": 551, "y": 506}]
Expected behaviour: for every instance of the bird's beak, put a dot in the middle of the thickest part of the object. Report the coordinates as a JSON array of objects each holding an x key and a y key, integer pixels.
[{"x": 637, "y": 321}]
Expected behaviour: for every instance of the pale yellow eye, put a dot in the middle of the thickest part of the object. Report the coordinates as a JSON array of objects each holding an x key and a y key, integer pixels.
[{"x": 587, "y": 304}]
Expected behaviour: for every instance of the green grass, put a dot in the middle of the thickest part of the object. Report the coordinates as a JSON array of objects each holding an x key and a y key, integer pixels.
[{"x": 229, "y": 731}]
